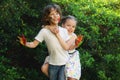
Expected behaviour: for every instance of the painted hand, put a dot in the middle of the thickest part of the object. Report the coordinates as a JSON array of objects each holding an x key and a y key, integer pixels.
[
  {"x": 79, "y": 40},
  {"x": 22, "y": 39}
]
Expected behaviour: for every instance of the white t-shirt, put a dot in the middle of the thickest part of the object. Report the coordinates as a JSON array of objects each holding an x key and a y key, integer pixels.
[{"x": 58, "y": 56}]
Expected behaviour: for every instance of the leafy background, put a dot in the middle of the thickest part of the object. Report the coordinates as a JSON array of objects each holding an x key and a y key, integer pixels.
[{"x": 98, "y": 21}]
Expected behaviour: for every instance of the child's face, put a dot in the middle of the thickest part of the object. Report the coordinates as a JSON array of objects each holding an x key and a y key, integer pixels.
[
  {"x": 70, "y": 25},
  {"x": 54, "y": 17}
]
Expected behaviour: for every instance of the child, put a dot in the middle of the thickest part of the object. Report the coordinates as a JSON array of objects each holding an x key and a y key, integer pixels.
[
  {"x": 73, "y": 66},
  {"x": 58, "y": 56}
]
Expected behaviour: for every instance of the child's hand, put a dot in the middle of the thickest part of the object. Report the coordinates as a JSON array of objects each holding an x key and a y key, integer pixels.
[
  {"x": 79, "y": 40},
  {"x": 54, "y": 30},
  {"x": 22, "y": 39},
  {"x": 73, "y": 37}
]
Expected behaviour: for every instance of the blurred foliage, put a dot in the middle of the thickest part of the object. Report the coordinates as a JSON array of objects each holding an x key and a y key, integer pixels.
[
  {"x": 7, "y": 71},
  {"x": 98, "y": 21}
]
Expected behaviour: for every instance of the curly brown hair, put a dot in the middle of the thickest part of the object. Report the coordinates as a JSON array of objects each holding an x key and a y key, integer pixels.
[{"x": 46, "y": 12}]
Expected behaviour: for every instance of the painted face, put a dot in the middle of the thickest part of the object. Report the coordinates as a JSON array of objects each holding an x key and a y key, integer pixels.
[
  {"x": 70, "y": 25},
  {"x": 54, "y": 16}
]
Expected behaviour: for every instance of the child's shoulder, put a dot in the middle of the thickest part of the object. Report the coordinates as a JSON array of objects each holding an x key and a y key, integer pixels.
[
  {"x": 73, "y": 34},
  {"x": 43, "y": 29},
  {"x": 61, "y": 28},
  {"x": 63, "y": 31}
]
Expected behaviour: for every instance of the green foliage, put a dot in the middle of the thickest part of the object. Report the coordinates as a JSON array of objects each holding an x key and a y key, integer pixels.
[
  {"x": 20, "y": 17},
  {"x": 87, "y": 60},
  {"x": 7, "y": 72},
  {"x": 98, "y": 21}
]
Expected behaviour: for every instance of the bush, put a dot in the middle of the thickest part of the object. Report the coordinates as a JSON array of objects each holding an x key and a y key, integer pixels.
[{"x": 98, "y": 21}]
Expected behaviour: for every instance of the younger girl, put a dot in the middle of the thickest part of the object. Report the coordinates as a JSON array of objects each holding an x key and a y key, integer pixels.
[{"x": 73, "y": 66}]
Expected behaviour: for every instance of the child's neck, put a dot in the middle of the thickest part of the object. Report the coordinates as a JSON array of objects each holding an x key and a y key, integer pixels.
[
  {"x": 53, "y": 25},
  {"x": 70, "y": 33},
  {"x": 50, "y": 26}
]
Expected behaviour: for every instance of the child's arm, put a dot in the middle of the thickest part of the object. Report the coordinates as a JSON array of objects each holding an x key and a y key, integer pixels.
[
  {"x": 65, "y": 45},
  {"x": 77, "y": 43},
  {"x": 32, "y": 44},
  {"x": 24, "y": 42},
  {"x": 73, "y": 46}
]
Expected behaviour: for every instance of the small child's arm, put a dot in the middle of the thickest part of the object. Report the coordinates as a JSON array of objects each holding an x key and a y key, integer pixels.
[{"x": 78, "y": 42}]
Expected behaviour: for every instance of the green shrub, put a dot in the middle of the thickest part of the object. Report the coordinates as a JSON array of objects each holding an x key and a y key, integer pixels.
[{"x": 98, "y": 21}]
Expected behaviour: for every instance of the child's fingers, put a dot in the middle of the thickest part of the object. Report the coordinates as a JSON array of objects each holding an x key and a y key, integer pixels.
[
  {"x": 20, "y": 40},
  {"x": 78, "y": 43},
  {"x": 19, "y": 37}
]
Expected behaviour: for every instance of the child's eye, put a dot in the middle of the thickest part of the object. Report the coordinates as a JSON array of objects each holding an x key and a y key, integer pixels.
[
  {"x": 54, "y": 14},
  {"x": 68, "y": 25},
  {"x": 73, "y": 26},
  {"x": 51, "y": 14}
]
